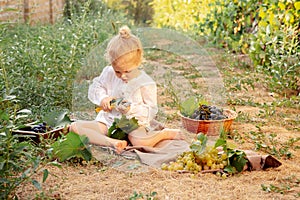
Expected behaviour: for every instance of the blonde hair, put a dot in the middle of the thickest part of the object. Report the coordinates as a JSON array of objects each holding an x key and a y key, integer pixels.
[{"x": 123, "y": 43}]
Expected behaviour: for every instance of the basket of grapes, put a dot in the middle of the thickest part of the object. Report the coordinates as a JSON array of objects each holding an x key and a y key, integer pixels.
[{"x": 207, "y": 119}]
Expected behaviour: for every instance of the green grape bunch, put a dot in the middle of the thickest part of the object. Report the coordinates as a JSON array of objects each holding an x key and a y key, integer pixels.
[{"x": 192, "y": 161}]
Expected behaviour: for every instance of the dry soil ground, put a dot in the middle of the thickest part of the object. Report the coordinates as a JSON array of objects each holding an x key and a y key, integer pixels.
[{"x": 115, "y": 177}]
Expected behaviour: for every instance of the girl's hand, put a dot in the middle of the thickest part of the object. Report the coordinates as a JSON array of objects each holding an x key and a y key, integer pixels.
[
  {"x": 123, "y": 106},
  {"x": 105, "y": 104}
]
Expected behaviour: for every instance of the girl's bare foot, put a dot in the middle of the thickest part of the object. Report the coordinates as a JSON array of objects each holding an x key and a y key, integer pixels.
[
  {"x": 174, "y": 134},
  {"x": 120, "y": 146}
]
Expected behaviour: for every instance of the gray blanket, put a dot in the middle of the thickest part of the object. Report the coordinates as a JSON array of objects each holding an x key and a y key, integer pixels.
[
  {"x": 168, "y": 150},
  {"x": 164, "y": 152}
]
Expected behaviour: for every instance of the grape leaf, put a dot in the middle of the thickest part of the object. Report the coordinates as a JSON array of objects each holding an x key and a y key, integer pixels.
[
  {"x": 220, "y": 142},
  {"x": 128, "y": 125},
  {"x": 230, "y": 169},
  {"x": 57, "y": 119},
  {"x": 45, "y": 174},
  {"x": 191, "y": 104},
  {"x": 73, "y": 145},
  {"x": 116, "y": 133},
  {"x": 200, "y": 144},
  {"x": 188, "y": 106},
  {"x": 121, "y": 127},
  {"x": 237, "y": 159},
  {"x": 36, "y": 184}
]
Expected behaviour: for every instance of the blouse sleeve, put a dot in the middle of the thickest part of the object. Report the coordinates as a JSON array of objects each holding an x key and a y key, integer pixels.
[
  {"x": 146, "y": 110},
  {"x": 98, "y": 90}
]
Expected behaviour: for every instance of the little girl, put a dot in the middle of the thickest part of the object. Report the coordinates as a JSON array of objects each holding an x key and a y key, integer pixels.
[{"x": 124, "y": 79}]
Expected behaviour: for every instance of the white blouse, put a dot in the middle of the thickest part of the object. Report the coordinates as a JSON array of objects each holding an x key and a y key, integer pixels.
[{"x": 141, "y": 92}]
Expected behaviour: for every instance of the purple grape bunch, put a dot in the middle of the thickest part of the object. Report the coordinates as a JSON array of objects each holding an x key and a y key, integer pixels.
[
  {"x": 207, "y": 112},
  {"x": 41, "y": 128}
]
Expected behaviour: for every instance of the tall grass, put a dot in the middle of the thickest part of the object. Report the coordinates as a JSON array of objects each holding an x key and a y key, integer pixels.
[{"x": 39, "y": 63}]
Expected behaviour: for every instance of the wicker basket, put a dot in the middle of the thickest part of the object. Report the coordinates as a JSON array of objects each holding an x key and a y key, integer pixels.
[{"x": 209, "y": 127}]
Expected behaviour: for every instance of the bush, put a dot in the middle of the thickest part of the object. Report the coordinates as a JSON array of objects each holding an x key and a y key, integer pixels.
[
  {"x": 230, "y": 23},
  {"x": 39, "y": 63},
  {"x": 267, "y": 30},
  {"x": 19, "y": 158},
  {"x": 275, "y": 48},
  {"x": 179, "y": 14},
  {"x": 138, "y": 12}
]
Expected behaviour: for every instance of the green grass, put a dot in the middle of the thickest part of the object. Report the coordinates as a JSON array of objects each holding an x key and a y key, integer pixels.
[{"x": 39, "y": 64}]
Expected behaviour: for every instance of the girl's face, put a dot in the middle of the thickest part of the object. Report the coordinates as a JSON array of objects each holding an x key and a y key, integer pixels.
[{"x": 126, "y": 67}]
